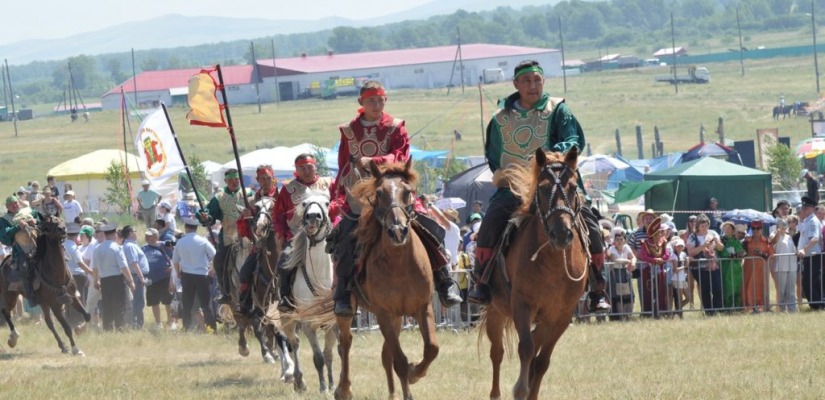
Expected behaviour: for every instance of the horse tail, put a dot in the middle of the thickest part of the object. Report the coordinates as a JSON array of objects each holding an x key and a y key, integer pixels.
[
  {"x": 226, "y": 314},
  {"x": 509, "y": 335},
  {"x": 318, "y": 313}
]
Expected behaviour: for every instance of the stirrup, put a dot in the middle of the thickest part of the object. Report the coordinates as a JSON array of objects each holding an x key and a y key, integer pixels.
[
  {"x": 343, "y": 308},
  {"x": 480, "y": 295}
]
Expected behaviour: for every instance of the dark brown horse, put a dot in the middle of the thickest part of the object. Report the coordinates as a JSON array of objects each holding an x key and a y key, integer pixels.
[
  {"x": 545, "y": 270},
  {"x": 398, "y": 278},
  {"x": 264, "y": 287},
  {"x": 56, "y": 285}
]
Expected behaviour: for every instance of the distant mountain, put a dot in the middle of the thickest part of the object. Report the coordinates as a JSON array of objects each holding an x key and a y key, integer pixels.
[{"x": 175, "y": 30}]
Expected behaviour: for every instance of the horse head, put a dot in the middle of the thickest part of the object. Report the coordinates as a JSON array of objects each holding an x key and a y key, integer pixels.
[
  {"x": 394, "y": 198},
  {"x": 53, "y": 228},
  {"x": 263, "y": 216},
  {"x": 555, "y": 199},
  {"x": 314, "y": 211}
]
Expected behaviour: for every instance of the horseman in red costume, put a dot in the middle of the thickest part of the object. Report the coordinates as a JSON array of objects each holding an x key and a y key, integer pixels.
[
  {"x": 287, "y": 223},
  {"x": 376, "y": 136}
]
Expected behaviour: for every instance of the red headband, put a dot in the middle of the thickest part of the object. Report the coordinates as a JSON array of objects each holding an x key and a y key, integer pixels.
[
  {"x": 265, "y": 171},
  {"x": 305, "y": 161},
  {"x": 373, "y": 92}
]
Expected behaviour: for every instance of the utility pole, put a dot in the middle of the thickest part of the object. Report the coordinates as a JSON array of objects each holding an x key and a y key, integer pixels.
[
  {"x": 134, "y": 78},
  {"x": 563, "y": 70},
  {"x": 813, "y": 32},
  {"x": 257, "y": 74},
  {"x": 741, "y": 56},
  {"x": 673, "y": 50},
  {"x": 11, "y": 96}
]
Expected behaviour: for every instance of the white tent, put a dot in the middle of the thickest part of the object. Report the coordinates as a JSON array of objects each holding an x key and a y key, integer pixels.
[
  {"x": 87, "y": 175},
  {"x": 282, "y": 160}
]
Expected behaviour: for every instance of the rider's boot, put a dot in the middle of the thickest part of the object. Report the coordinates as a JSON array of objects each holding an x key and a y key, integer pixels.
[
  {"x": 343, "y": 306},
  {"x": 287, "y": 302},
  {"x": 480, "y": 291},
  {"x": 598, "y": 296},
  {"x": 27, "y": 275},
  {"x": 447, "y": 287}
]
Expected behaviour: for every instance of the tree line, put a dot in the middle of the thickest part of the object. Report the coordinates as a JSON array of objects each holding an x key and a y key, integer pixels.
[{"x": 640, "y": 24}]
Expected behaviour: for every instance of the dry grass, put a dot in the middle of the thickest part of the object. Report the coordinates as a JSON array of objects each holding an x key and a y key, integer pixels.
[{"x": 776, "y": 356}]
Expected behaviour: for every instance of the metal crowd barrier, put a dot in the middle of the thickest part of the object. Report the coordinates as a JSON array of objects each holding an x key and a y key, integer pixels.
[{"x": 735, "y": 285}]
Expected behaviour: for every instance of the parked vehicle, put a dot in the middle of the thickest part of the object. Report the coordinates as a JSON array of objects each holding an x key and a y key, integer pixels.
[{"x": 694, "y": 75}]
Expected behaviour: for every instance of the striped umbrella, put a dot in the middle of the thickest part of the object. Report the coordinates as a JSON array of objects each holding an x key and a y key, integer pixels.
[{"x": 810, "y": 148}]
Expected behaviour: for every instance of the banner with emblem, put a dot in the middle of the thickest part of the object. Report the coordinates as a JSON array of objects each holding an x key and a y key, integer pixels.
[{"x": 158, "y": 155}]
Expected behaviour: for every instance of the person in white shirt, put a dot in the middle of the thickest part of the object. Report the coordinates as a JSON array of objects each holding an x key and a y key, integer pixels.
[
  {"x": 785, "y": 266},
  {"x": 72, "y": 211},
  {"x": 810, "y": 239},
  {"x": 191, "y": 258},
  {"x": 622, "y": 263}
]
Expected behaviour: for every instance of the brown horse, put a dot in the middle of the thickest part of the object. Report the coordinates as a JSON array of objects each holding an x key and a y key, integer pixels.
[
  {"x": 264, "y": 287},
  {"x": 57, "y": 287},
  {"x": 545, "y": 270},
  {"x": 398, "y": 278}
]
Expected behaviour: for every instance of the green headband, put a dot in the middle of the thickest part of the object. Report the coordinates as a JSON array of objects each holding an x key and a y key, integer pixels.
[
  {"x": 534, "y": 68},
  {"x": 231, "y": 175},
  {"x": 12, "y": 200}
]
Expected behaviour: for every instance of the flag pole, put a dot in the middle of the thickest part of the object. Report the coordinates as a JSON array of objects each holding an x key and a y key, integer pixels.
[
  {"x": 186, "y": 167},
  {"x": 231, "y": 130}
]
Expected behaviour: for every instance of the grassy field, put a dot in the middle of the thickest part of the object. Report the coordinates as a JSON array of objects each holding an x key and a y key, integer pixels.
[
  {"x": 767, "y": 356},
  {"x": 603, "y": 102}
]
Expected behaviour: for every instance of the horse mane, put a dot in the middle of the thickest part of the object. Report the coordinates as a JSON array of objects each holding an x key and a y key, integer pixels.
[
  {"x": 369, "y": 229},
  {"x": 299, "y": 247},
  {"x": 522, "y": 179}
]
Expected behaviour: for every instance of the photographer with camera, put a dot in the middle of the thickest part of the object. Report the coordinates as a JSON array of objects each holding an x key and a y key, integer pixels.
[
  {"x": 758, "y": 250},
  {"x": 158, "y": 287}
]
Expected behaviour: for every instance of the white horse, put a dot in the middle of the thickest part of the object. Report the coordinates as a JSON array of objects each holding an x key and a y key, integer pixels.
[{"x": 313, "y": 279}]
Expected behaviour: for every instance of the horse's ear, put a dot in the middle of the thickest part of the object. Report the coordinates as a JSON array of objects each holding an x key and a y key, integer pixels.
[
  {"x": 374, "y": 170},
  {"x": 541, "y": 158},
  {"x": 572, "y": 157},
  {"x": 408, "y": 165}
]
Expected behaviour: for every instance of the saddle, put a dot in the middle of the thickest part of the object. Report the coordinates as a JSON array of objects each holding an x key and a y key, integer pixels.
[{"x": 13, "y": 277}]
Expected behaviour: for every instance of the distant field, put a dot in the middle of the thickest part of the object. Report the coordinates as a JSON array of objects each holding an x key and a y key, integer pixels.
[{"x": 603, "y": 102}]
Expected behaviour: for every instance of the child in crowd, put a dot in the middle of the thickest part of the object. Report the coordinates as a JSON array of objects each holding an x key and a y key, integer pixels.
[{"x": 679, "y": 275}]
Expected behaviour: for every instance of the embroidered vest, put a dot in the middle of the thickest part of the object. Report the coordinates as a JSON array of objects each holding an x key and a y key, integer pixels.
[
  {"x": 231, "y": 206},
  {"x": 523, "y": 133},
  {"x": 369, "y": 143}
]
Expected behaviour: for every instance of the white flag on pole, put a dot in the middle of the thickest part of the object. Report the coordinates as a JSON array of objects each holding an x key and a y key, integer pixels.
[{"x": 157, "y": 154}]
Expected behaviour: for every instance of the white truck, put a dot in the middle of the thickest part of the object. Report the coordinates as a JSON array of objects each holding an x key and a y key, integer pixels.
[{"x": 493, "y": 75}]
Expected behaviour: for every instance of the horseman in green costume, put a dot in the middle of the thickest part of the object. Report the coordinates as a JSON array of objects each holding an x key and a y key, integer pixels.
[{"x": 15, "y": 219}]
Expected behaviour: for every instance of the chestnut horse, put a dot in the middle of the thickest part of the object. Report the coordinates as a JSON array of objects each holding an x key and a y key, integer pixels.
[
  {"x": 57, "y": 287},
  {"x": 397, "y": 277},
  {"x": 545, "y": 269}
]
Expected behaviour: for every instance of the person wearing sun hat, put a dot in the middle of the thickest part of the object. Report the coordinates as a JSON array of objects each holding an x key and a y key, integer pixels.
[
  {"x": 730, "y": 264},
  {"x": 759, "y": 251},
  {"x": 654, "y": 253},
  {"x": 15, "y": 219},
  {"x": 148, "y": 201},
  {"x": 72, "y": 211}
]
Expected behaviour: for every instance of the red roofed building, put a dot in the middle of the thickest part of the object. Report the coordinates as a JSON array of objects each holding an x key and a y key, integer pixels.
[
  {"x": 428, "y": 68},
  {"x": 172, "y": 87}
]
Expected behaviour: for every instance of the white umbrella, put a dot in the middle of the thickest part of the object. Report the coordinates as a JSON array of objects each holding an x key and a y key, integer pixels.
[
  {"x": 450, "y": 202},
  {"x": 600, "y": 163}
]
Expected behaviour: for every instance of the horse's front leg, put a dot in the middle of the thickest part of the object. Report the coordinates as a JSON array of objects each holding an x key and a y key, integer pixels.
[
  {"x": 79, "y": 307},
  {"x": 257, "y": 329},
  {"x": 67, "y": 328},
  {"x": 48, "y": 318},
  {"x": 426, "y": 324},
  {"x": 393, "y": 355},
  {"x": 522, "y": 319},
  {"x": 294, "y": 342},
  {"x": 494, "y": 327},
  {"x": 243, "y": 347},
  {"x": 331, "y": 338},
  {"x": 344, "y": 389},
  {"x": 13, "y": 335}
]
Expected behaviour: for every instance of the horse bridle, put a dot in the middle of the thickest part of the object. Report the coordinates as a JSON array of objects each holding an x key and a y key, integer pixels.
[
  {"x": 325, "y": 223},
  {"x": 408, "y": 210},
  {"x": 553, "y": 172}
]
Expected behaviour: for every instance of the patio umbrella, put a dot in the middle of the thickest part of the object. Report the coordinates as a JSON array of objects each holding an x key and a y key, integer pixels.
[
  {"x": 450, "y": 202},
  {"x": 748, "y": 215},
  {"x": 601, "y": 163},
  {"x": 810, "y": 148}
]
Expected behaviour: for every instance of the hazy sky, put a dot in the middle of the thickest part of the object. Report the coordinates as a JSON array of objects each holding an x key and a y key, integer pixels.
[{"x": 48, "y": 19}]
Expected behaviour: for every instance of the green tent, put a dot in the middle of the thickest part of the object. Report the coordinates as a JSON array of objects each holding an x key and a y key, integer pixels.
[{"x": 693, "y": 183}]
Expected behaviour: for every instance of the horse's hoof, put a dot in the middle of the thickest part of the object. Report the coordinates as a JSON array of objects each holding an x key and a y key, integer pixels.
[
  {"x": 268, "y": 358},
  {"x": 243, "y": 351},
  {"x": 343, "y": 396},
  {"x": 287, "y": 378},
  {"x": 300, "y": 386},
  {"x": 87, "y": 317},
  {"x": 64, "y": 350},
  {"x": 412, "y": 376},
  {"x": 78, "y": 352}
]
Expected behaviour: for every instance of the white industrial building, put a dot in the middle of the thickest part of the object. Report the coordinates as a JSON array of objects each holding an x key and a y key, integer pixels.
[{"x": 425, "y": 68}]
